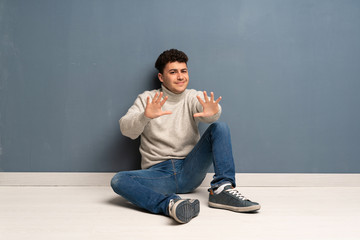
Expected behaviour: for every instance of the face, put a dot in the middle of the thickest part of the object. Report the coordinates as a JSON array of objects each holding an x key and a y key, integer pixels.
[{"x": 175, "y": 77}]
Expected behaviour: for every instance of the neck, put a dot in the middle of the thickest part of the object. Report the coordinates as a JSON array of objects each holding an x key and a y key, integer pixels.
[{"x": 172, "y": 97}]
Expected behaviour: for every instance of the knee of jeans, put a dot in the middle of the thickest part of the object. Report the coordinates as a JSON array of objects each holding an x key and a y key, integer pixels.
[
  {"x": 116, "y": 182},
  {"x": 220, "y": 126}
]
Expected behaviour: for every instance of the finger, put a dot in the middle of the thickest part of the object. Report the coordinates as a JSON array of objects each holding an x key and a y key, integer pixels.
[
  {"x": 159, "y": 98},
  {"x": 211, "y": 97},
  {"x": 200, "y": 100},
  {"x": 206, "y": 97},
  {"x": 218, "y": 100},
  {"x": 147, "y": 101},
  {"x": 166, "y": 113},
  {"x": 198, "y": 115},
  {"x": 155, "y": 98},
  {"x": 164, "y": 100}
]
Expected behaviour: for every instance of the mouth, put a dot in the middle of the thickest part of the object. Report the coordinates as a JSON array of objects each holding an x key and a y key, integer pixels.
[{"x": 180, "y": 83}]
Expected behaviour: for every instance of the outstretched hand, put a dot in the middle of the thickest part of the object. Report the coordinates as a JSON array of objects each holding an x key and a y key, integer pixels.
[
  {"x": 210, "y": 107},
  {"x": 153, "y": 108}
]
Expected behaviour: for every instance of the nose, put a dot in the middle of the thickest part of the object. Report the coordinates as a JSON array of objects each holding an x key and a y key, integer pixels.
[{"x": 180, "y": 76}]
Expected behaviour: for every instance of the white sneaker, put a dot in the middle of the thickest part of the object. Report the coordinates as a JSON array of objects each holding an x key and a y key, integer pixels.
[{"x": 183, "y": 210}]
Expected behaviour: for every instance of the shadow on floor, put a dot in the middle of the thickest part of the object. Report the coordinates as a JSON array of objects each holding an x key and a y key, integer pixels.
[{"x": 122, "y": 202}]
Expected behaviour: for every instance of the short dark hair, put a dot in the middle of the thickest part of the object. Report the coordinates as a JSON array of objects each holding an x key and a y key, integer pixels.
[{"x": 172, "y": 55}]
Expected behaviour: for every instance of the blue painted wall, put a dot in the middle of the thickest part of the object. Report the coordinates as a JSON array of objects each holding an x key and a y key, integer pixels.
[{"x": 288, "y": 71}]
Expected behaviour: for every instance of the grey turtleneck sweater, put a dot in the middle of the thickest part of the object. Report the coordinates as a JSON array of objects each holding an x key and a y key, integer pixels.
[{"x": 170, "y": 136}]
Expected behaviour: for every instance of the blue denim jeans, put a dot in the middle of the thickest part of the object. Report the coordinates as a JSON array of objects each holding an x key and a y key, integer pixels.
[{"x": 153, "y": 188}]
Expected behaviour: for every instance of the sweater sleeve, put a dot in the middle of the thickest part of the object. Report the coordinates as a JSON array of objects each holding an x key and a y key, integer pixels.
[{"x": 132, "y": 124}]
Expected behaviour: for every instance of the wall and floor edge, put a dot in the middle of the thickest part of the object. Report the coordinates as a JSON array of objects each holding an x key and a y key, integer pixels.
[{"x": 243, "y": 179}]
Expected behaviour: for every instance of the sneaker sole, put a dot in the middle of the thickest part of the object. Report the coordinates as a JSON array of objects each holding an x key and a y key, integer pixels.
[
  {"x": 186, "y": 210},
  {"x": 235, "y": 209}
]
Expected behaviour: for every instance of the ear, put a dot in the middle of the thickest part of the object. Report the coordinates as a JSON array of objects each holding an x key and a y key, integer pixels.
[{"x": 160, "y": 77}]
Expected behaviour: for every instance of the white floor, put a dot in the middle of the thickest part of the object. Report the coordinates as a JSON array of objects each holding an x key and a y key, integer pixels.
[{"x": 98, "y": 213}]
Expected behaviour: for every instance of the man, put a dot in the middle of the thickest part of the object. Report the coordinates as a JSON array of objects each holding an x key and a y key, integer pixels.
[{"x": 175, "y": 159}]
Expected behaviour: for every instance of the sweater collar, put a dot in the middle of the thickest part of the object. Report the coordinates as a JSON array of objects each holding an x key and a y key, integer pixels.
[{"x": 172, "y": 97}]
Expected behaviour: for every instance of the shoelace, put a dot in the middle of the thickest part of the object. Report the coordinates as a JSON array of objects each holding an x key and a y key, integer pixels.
[{"x": 237, "y": 194}]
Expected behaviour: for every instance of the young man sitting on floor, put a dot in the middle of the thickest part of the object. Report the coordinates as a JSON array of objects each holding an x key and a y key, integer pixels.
[{"x": 175, "y": 159}]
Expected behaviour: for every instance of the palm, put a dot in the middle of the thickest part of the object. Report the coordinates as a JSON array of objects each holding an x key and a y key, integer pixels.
[
  {"x": 154, "y": 108},
  {"x": 210, "y": 107}
]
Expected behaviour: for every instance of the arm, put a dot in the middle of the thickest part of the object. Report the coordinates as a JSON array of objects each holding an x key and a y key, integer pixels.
[
  {"x": 140, "y": 114},
  {"x": 132, "y": 124}
]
